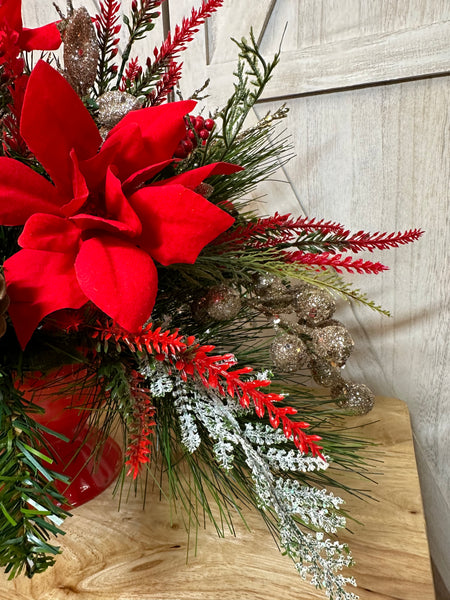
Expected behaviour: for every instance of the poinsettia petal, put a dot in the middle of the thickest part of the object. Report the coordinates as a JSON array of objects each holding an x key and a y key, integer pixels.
[
  {"x": 11, "y": 13},
  {"x": 135, "y": 181},
  {"x": 24, "y": 192},
  {"x": 118, "y": 278},
  {"x": 94, "y": 169},
  {"x": 79, "y": 186},
  {"x": 161, "y": 129},
  {"x": 87, "y": 222},
  {"x": 46, "y": 37},
  {"x": 193, "y": 178},
  {"x": 117, "y": 205},
  {"x": 48, "y": 232},
  {"x": 40, "y": 283},
  {"x": 158, "y": 122},
  {"x": 55, "y": 121},
  {"x": 130, "y": 154},
  {"x": 176, "y": 222}
]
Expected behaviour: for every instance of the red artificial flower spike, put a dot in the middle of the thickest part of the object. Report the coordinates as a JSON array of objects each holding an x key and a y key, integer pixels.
[
  {"x": 39, "y": 38},
  {"x": 94, "y": 233}
]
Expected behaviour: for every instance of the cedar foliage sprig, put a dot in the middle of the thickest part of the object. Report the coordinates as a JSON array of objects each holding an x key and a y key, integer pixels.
[
  {"x": 253, "y": 74},
  {"x": 29, "y": 502},
  {"x": 257, "y": 149}
]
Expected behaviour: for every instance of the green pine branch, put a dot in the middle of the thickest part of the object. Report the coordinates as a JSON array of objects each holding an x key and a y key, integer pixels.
[
  {"x": 29, "y": 501},
  {"x": 258, "y": 149}
]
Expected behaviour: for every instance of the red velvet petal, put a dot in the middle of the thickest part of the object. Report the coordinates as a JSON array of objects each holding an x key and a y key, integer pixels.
[
  {"x": 86, "y": 222},
  {"x": 161, "y": 127},
  {"x": 157, "y": 121},
  {"x": 130, "y": 154},
  {"x": 191, "y": 179},
  {"x": 176, "y": 222},
  {"x": 39, "y": 283},
  {"x": 79, "y": 186},
  {"x": 11, "y": 13},
  {"x": 117, "y": 205},
  {"x": 24, "y": 192},
  {"x": 46, "y": 37},
  {"x": 119, "y": 278},
  {"x": 48, "y": 232},
  {"x": 55, "y": 121},
  {"x": 134, "y": 182},
  {"x": 94, "y": 169}
]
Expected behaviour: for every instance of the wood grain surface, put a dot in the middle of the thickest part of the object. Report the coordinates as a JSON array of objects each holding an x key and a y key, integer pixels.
[{"x": 138, "y": 555}]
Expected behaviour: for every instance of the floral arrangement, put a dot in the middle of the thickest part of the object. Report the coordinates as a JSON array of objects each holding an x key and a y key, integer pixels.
[{"x": 139, "y": 283}]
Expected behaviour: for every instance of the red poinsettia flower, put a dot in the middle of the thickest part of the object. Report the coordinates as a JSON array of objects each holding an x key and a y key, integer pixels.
[
  {"x": 94, "y": 231},
  {"x": 39, "y": 38}
]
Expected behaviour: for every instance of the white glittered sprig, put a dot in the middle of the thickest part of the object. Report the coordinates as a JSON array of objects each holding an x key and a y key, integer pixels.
[{"x": 268, "y": 455}]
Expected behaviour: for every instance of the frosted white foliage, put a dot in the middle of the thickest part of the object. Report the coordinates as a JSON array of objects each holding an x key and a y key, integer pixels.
[
  {"x": 189, "y": 431},
  {"x": 262, "y": 434},
  {"x": 294, "y": 504},
  {"x": 292, "y": 460},
  {"x": 159, "y": 384},
  {"x": 281, "y": 459},
  {"x": 314, "y": 506}
]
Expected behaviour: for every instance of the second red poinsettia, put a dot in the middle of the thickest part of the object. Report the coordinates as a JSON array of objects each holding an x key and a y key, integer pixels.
[
  {"x": 93, "y": 232},
  {"x": 46, "y": 37}
]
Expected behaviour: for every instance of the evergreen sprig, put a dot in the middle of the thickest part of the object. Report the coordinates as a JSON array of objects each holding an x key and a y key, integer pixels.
[
  {"x": 143, "y": 15},
  {"x": 253, "y": 74},
  {"x": 29, "y": 501},
  {"x": 212, "y": 453},
  {"x": 241, "y": 268},
  {"x": 259, "y": 149}
]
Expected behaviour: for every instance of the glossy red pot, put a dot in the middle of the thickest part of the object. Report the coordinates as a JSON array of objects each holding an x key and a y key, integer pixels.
[{"x": 67, "y": 407}]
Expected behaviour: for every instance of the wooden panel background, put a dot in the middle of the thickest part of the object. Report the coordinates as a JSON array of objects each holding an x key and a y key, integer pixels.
[{"x": 368, "y": 90}]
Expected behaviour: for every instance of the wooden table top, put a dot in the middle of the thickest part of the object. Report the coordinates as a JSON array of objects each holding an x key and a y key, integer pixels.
[{"x": 137, "y": 555}]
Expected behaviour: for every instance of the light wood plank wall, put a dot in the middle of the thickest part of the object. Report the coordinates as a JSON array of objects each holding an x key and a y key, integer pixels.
[{"x": 368, "y": 89}]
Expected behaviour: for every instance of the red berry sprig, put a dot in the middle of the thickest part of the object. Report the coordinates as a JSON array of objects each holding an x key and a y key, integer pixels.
[{"x": 198, "y": 130}]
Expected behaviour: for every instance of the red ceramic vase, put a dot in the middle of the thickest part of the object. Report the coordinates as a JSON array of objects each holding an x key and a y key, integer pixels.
[{"x": 67, "y": 408}]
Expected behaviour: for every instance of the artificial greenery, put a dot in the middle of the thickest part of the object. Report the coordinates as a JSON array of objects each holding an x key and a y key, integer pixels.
[
  {"x": 31, "y": 506},
  {"x": 214, "y": 434}
]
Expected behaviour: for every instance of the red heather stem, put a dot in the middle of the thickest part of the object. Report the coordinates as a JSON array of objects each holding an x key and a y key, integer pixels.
[
  {"x": 107, "y": 31},
  {"x": 325, "y": 259},
  {"x": 155, "y": 341},
  {"x": 276, "y": 229},
  {"x": 166, "y": 84},
  {"x": 380, "y": 241},
  {"x": 282, "y": 230},
  {"x": 132, "y": 72},
  {"x": 173, "y": 45},
  {"x": 139, "y": 447},
  {"x": 214, "y": 372}
]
